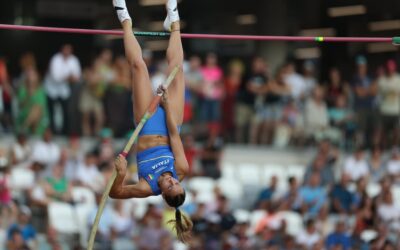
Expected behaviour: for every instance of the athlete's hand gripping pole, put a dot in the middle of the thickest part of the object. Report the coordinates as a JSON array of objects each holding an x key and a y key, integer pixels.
[{"x": 150, "y": 111}]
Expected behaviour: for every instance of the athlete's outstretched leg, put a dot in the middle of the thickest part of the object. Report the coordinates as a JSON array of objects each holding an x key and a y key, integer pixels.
[
  {"x": 175, "y": 58},
  {"x": 141, "y": 86}
]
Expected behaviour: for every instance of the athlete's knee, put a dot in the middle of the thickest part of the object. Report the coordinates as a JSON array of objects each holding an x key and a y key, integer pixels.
[{"x": 138, "y": 64}]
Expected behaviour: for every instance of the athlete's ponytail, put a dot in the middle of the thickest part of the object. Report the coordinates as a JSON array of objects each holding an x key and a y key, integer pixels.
[{"x": 182, "y": 224}]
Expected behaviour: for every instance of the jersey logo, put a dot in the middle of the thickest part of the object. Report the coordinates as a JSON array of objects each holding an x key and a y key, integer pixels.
[
  {"x": 159, "y": 164},
  {"x": 150, "y": 177}
]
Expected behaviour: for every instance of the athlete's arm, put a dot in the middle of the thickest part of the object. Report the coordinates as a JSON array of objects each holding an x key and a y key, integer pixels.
[
  {"x": 121, "y": 191},
  {"x": 181, "y": 164}
]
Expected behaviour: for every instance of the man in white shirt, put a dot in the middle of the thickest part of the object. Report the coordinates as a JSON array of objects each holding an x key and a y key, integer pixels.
[
  {"x": 356, "y": 166},
  {"x": 64, "y": 70},
  {"x": 46, "y": 152},
  {"x": 296, "y": 82},
  {"x": 309, "y": 237},
  {"x": 389, "y": 91},
  {"x": 393, "y": 165},
  {"x": 88, "y": 174}
]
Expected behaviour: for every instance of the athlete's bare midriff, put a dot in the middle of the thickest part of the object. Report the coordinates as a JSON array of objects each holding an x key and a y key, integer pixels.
[{"x": 151, "y": 141}]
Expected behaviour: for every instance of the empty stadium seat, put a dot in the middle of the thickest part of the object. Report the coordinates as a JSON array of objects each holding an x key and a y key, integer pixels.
[
  {"x": 396, "y": 195},
  {"x": 228, "y": 171},
  {"x": 232, "y": 189},
  {"x": 201, "y": 184},
  {"x": 22, "y": 178},
  {"x": 82, "y": 212},
  {"x": 297, "y": 171},
  {"x": 63, "y": 218},
  {"x": 294, "y": 222},
  {"x": 83, "y": 195},
  {"x": 241, "y": 215},
  {"x": 249, "y": 174}
]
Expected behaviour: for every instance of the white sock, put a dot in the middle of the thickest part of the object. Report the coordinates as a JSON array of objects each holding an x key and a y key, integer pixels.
[
  {"x": 122, "y": 11},
  {"x": 172, "y": 14}
]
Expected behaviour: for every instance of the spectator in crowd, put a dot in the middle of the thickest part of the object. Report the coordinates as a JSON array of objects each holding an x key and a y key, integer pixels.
[
  {"x": 365, "y": 90},
  {"x": 32, "y": 104},
  {"x": 210, "y": 157},
  {"x": 16, "y": 241},
  {"x": 194, "y": 83},
  {"x": 246, "y": 97},
  {"x": 252, "y": 98},
  {"x": 73, "y": 156},
  {"x": 152, "y": 233},
  {"x": 356, "y": 166},
  {"x": 290, "y": 127},
  {"x": 323, "y": 168},
  {"x": 191, "y": 152},
  {"x": 199, "y": 219},
  {"x": 309, "y": 77},
  {"x": 212, "y": 92},
  {"x": 339, "y": 237},
  {"x": 6, "y": 93},
  {"x": 88, "y": 174},
  {"x": 311, "y": 196},
  {"x": 388, "y": 211},
  {"x": 232, "y": 83},
  {"x": 329, "y": 151},
  {"x": 342, "y": 200},
  {"x": 21, "y": 150},
  {"x": 393, "y": 165},
  {"x": 341, "y": 118},
  {"x": 271, "y": 220},
  {"x": 361, "y": 191},
  {"x": 118, "y": 100},
  {"x": 224, "y": 212},
  {"x": 323, "y": 221},
  {"x": 26, "y": 63},
  {"x": 386, "y": 185},
  {"x": 90, "y": 100},
  {"x": 336, "y": 87},
  {"x": 389, "y": 92},
  {"x": 309, "y": 237},
  {"x": 57, "y": 186},
  {"x": 316, "y": 117},
  {"x": 267, "y": 194},
  {"x": 23, "y": 228},
  {"x": 376, "y": 165},
  {"x": 365, "y": 216},
  {"x": 123, "y": 225},
  {"x": 291, "y": 196},
  {"x": 46, "y": 152},
  {"x": 269, "y": 110},
  {"x": 295, "y": 82},
  {"x": 64, "y": 70},
  {"x": 5, "y": 187}
]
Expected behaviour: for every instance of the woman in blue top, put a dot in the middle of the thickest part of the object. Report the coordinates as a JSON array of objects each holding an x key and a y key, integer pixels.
[{"x": 161, "y": 160}]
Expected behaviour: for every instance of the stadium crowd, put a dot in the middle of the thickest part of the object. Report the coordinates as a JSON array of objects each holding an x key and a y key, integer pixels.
[{"x": 352, "y": 123}]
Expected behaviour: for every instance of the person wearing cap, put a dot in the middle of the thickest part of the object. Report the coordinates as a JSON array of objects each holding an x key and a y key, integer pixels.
[
  {"x": 365, "y": 90},
  {"x": 24, "y": 226},
  {"x": 389, "y": 107}
]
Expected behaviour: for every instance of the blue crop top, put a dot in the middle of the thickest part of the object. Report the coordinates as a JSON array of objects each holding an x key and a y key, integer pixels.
[
  {"x": 153, "y": 162},
  {"x": 157, "y": 124}
]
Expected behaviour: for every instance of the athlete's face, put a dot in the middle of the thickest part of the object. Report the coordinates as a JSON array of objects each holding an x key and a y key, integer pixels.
[{"x": 170, "y": 186}]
